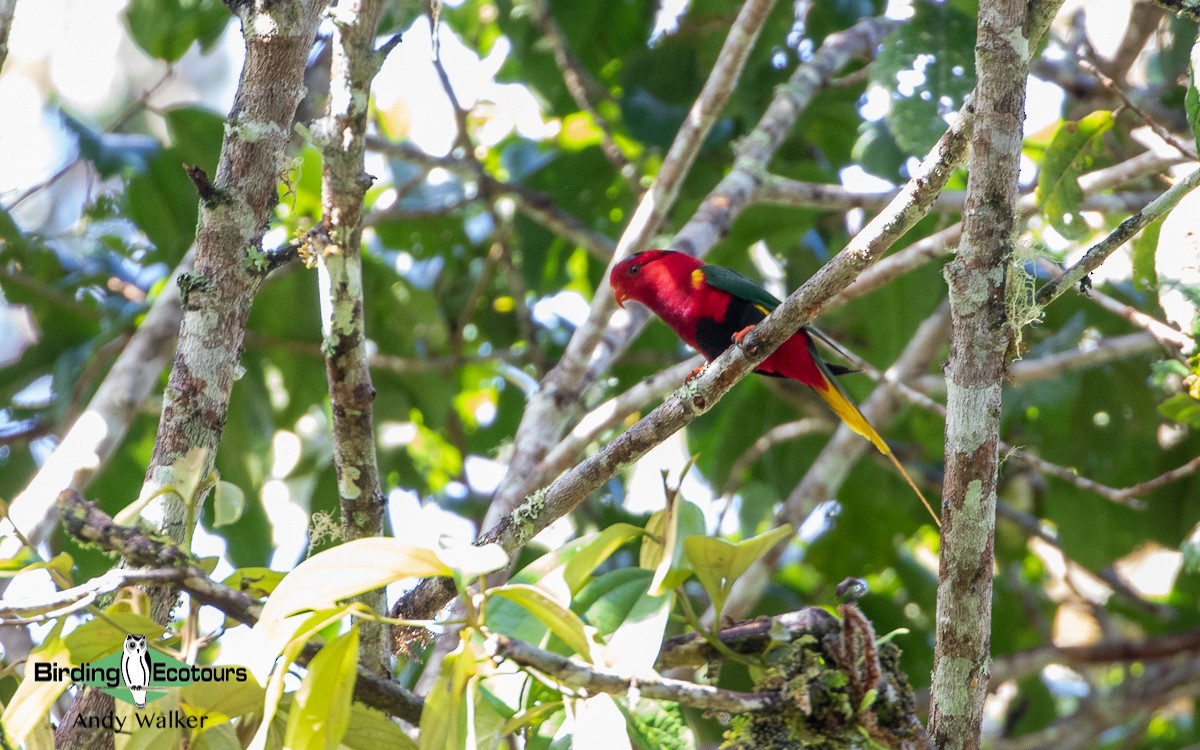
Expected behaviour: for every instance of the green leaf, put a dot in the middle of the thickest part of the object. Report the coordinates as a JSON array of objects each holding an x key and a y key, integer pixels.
[
  {"x": 320, "y": 712},
  {"x": 928, "y": 66},
  {"x": 1145, "y": 248},
  {"x": 167, "y": 28},
  {"x": 371, "y": 730},
  {"x": 257, "y": 582},
  {"x": 632, "y": 621},
  {"x": 287, "y": 638},
  {"x": 1069, "y": 154},
  {"x": 226, "y": 699},
  {"x": 656, "y": 725},
  {"x": 445, "y": 720},
  {"x": 366, "y": 564},
  {"x": 221, "y": 736},
  {"x": 672, "y": 525},
  {"x": 100, "y": 636},
  {"x": 718, "y": 563},
  {"x": 561, "y": 621},
  {"x": 28, "y": 560},
  {"x": 1181, "y": 408},
  {"x": 579, "y": 568},
  {"x": 228, "y": 503}
]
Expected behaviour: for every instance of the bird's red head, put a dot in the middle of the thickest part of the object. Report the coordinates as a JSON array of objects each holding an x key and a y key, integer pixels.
[{"x": 649, "y": 275}]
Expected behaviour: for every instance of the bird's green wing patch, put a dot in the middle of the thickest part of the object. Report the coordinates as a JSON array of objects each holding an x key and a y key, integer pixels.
[{"x": 734, "y": 283}]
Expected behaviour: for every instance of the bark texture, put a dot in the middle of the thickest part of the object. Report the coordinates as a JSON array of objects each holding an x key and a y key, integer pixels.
[
  {"x": 339, "y": 263},
  {"x": 216, "y": 295},
  {"x": 979, "y": 340}
]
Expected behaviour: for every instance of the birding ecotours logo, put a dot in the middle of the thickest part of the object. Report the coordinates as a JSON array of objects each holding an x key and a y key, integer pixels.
[{"x": 135, "y": 675}]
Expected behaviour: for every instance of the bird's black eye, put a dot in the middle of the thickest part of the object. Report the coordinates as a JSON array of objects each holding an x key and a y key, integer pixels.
[{"x": 635, "y": 270}]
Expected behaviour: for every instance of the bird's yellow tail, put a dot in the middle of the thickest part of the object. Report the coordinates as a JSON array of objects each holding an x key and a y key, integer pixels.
[{"x": 842, "y": 406}]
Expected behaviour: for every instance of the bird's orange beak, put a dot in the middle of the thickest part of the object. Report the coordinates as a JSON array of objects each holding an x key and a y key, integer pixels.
[{"x": 620, "y": 296}]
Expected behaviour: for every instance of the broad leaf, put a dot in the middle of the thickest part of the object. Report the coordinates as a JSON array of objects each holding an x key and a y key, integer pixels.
[
  {"x": 446, "y": 720},
  {"x": 718, "y": 563},
  {"x": 320, "y": 711},
  {"x": 366, "y": 564},
  {"x": 1069, "y": 154},
  {"x": 167, "y": 28},
  {"x": 558, "y": 619},
  {"x": 579, "y": 568},
  {"x": 928, "y": 66},
  {"x": 671, "y": 525}
]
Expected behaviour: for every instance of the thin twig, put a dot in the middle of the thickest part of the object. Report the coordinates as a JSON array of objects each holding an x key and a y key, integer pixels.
[
  {"x": 1031, "y": 526},
  {"x": 1056, "y": 364},
  {"x": 1188, "y": 151},
  {"x": 1124, "y": 232}
]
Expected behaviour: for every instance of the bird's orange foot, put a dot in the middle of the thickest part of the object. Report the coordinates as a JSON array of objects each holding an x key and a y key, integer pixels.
[
  {"x": 693, "y": 374},
  {"x": 740, "y": 335}
]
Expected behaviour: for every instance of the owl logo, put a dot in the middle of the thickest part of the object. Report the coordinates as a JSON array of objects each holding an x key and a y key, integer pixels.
[{"x": 135, "y": 668}]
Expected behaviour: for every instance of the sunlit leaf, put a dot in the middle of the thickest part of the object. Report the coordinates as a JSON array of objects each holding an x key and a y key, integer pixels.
[
  {"x": 228, "y": 503},
  {"x": 718, "y": 563},
  {"x": 561, "y": 621},
  {"x": 446, "y": 720},
  {"x": 320, "y": 711},
  {"x": 595, "y": 552},
  {"x": 362, "y": 565}
]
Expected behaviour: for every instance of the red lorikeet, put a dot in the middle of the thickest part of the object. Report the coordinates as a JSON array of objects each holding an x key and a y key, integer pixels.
[{"x": 711, "y": 308}]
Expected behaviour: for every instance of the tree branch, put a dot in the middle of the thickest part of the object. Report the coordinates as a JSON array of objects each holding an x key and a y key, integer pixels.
[
  {"x": 944, "y": 241},
  {"x": 1124, "y": 232},
  {"x": 710, "y": 222},
  {"x": 169, "y": 563},
  {"x": 1054, "y": 365},
  {"x": 337, "y": 247},
  {"x": 591, "y": 680},
  {"x": 693, "y": 650},
  {"x": 91, "y": 440}
]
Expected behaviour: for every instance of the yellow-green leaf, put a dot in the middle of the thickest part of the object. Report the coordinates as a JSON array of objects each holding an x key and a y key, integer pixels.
[
  {"x": 225, "y": 698},
  {"x": 371, "y": 730},
  {"x": 257, "y": 582},
  {"x": 579, "y": 568},
  {"x": 228, "y": 503},
  {"x": 28, "y": 560},
  {"x": 101, "y": 636},
  {"x": 31, "y": 702},
  {"x": 445, "y": 720},
  {"x": 561, "y": 621},
  {"x": 320, "y": 711},
  {"x": 672, "y": 525},
  {"x": 718, "y": 563}
]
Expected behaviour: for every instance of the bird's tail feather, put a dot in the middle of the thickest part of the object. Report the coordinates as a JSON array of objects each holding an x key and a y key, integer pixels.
[{"x": 833, "y": 395}]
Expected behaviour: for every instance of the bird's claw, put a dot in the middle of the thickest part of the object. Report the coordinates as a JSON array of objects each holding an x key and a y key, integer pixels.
[
  {"x": 693, "y": 374},
  {"x": 740, "y": 336}
]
